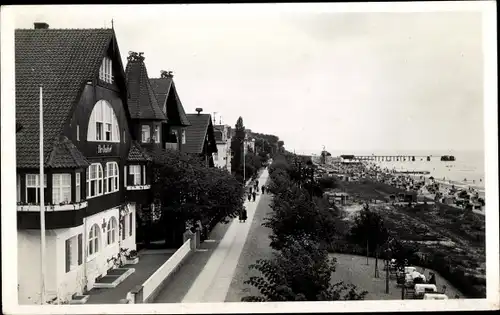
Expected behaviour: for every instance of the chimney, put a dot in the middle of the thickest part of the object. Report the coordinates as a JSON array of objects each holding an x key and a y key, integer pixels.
[
  {"x": 41, "y": 26},
  {"x": 199, "y": 110},
  {"x": 166, "y": 74}
]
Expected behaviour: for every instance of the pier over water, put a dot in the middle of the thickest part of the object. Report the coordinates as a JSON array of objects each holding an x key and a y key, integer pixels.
[{"x": 398, "y": 158}]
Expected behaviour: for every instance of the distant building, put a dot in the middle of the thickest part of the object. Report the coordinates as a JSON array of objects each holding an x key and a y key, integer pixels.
[
  {"x": 200, "y": 137},
  {"x": 222, "y": 158}
]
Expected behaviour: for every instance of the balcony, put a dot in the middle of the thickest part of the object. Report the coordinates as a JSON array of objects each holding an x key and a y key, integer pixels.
[
  {"x": 51, "y": 208},
  {"x": 171, "y": 146}
]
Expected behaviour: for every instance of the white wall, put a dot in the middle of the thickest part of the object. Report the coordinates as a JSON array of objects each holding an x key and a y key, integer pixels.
[
  {"x": 155, "y": 280},
  {"x": 221, "y": 154},
  {"x": 97, "y": 263},
  {"x": 59, "y": 282},
  {"x": 29, "y": 272}
]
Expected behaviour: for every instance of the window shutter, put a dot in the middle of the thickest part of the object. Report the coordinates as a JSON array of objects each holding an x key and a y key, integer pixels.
[
  {"x": 131, "y": 224},
  {"x": 68, "y": 255},
  {"x": 125, "y": 175},
  {"x": 124, "y": 229},
  {"x": 144, "y": 174},
  {"x": 80, "y": 249}
]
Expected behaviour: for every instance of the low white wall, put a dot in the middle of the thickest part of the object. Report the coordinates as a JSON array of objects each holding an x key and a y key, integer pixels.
[
  {"x": 165, "y": 270},
  {"x": 29, "y": 272}
]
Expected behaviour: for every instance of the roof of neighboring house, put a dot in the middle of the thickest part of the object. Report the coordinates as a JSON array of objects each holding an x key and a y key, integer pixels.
[
  {"x": 142, "y": 102},
  {"x": 196, "y": 133},
  {"x": 62, "y": 61},
  {"x": 218, "y": 135},
  {"x": 138, "y": 153},
  {"x": 167, "y": 95},
  {"x": 66, "y": 155}
]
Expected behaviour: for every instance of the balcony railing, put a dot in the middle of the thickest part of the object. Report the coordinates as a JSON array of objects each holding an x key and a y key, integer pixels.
[
  {"x": 171, "y": 145},
  {"x": 58, "y": 207}
]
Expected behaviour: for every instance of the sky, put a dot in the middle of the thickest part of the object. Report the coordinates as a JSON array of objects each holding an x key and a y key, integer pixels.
[{"x": 353, "y": 81}]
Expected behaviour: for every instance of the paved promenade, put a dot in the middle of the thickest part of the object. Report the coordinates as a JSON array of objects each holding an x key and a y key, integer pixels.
[{"x": 207, "y": 275}]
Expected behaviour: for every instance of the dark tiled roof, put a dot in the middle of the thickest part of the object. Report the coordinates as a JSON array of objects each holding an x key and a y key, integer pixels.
[
  {"x": 166, "y": 92},
  {"x": 138, "y": 153},
  {"x": 196, "y": 133},
  {"x": 62, "y": 60},
  {"x": 142, "y": 102},
  {"x": 66, "y": 155}
]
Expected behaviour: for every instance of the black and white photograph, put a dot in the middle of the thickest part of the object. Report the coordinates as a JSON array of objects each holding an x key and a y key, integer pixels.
[{"x": 240, "y": 157}]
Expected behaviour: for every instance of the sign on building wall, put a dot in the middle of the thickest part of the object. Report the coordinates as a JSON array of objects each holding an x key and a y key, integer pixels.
[{"x": 104, "y": 148}]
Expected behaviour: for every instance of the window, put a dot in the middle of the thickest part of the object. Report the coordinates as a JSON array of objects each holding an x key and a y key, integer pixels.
[
  {"x": 33, "y": 187},
  {"x": 135, "y": 171},
  {"x": 111, "y": 230},
  {"x": 124, "y": 136},
  {"x": 61, "y": 188},
  {"x": 144, "y": 174},
  {"x": 78, "y": 188},
  {"x": 157, "y": 134},
  {"x": 112, "y": 177},
  {"x": 183, "y": 136},
  {"x": 146, "y": 136},
  {"x": 94, "y": 180},
  {"x": 124, "y": 228},
  {"x": 77, "y": 132},
  {"x": 106, "y": 72},
  {"x": 130, "y": 224},
  {"x": 103, "y": 124},
  {"x": 94, "y": 239},
  {"x": 73, "y": 256}
]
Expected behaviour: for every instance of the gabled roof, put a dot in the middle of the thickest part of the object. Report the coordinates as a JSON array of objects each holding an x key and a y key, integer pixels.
[
  {"x": 138, "y": 153},
  {"x": 169, "y": 100},
  {"x": 66, "y": 155},
  {"x": 62, "y": 61},
  {"x": 196, "y": 133},
  {"x": 142, "y": 102}
]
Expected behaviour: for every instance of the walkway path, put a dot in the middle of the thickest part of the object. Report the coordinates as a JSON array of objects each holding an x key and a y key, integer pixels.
[
  {"x": 213, "y": 282},
  {"x": 206, "y": 276}
]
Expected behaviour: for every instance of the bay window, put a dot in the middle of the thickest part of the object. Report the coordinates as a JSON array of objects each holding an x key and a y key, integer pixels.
[
  {"x": 112, "y": 177},
  {"x": 33, "y": 187},
  {"x": 145, "y": 133},
  {"x": 157, "y": 134},
  {"x": 94, "y": 180},
  {"x": 78, "y": 188},
  {"x": 103, "y": 124},
  {"x": 135, "y": 172},
  {"x": 61, "y": 188}
]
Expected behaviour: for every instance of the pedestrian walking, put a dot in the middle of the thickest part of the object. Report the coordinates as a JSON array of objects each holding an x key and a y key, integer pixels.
[
  {"x": 240, "y": 216},
  {"x": 249, "y": 197},
  {"x": 263, "y": 190},
  {"x": 254, "y": 194},
  {"x": 251, "y": 190},
  {"x": 244, "y": 215}
]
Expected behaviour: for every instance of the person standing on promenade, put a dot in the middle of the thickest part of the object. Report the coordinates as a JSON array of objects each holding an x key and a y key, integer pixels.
[
  {"x": 249, "y": 197},
  {"x": 263, "y": 190},
  {"x": 254, "y": 194}
]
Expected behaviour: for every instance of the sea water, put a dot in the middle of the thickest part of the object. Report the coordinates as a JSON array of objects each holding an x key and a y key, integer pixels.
[{"x": 468, "y": 167}]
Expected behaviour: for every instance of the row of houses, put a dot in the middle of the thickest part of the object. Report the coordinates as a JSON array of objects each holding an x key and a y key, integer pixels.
[{"x": 101, "y": 121}]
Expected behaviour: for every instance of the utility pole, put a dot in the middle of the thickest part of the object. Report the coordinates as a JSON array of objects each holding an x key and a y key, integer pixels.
[
  {"x": 41, "y": 182},
  {"x": 244, "y": 171}
]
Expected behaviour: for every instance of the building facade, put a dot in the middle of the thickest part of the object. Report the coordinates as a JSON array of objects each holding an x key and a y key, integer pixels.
[
  {"x": 92, "y": 163},
  {"x": 222, "y": 158},
  {"x": 200, "y": 137}
]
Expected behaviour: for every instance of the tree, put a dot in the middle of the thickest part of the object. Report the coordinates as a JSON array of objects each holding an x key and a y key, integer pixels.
[
  {"x": 369, "y": 230},
  {"x": 185, "y": 190},
  {"x": 281, "y": 146},
  {"x": 237, "y": 147},
  {"x": 299, "y": 272}
]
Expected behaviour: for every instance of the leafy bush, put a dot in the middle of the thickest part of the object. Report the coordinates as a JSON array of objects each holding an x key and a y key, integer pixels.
[{"x": 299, "y": 272}]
